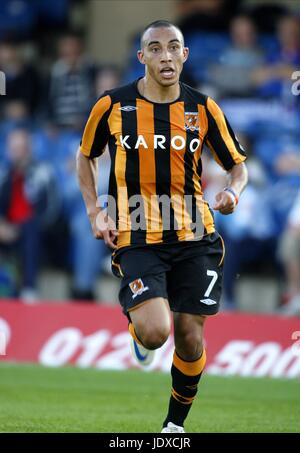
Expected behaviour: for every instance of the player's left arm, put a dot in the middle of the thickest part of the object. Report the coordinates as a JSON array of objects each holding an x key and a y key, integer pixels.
[
  {"x": 227, "y": 199},
  {"x": 229, "y": 154}
]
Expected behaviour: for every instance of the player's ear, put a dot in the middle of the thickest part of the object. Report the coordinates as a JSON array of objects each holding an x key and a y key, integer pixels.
[
  {"x": 140, "y": 55},
  {"x": 186, "y": 52}
]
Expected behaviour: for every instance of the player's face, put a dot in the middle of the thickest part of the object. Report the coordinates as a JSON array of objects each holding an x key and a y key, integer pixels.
[{"x": 163, "y": 54}]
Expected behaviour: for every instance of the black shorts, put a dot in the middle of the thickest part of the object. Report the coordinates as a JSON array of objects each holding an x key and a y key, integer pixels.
[{"x": 188, "y": 274}]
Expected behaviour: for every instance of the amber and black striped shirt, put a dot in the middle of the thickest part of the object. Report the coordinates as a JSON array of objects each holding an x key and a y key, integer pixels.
[{"x": 155, "y": 152}]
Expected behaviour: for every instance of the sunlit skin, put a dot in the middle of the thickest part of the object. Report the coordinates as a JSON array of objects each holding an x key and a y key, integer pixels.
[{"x": 163, "y": 53}]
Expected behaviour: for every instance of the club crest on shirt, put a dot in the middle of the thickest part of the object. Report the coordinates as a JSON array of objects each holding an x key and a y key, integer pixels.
[
  {"x": 137, "y": 287},
  {"x": 191, "y": 120}
]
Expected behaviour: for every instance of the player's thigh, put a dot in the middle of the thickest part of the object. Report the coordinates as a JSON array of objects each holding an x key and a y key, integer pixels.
[
  {"x": 195, "y": 283},
  {"x": 144, "y": 281},
  {"x": 151, "y": 316}
]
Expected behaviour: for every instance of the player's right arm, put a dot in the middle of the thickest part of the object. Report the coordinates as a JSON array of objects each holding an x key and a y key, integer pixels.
[{"x": 93, "y": 143}]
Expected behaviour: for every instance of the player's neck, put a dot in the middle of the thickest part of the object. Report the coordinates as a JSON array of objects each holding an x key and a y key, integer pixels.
[{"x": 154, "y": 92}]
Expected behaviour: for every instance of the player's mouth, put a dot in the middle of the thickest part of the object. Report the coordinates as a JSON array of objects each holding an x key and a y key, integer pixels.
[{"x": 167, "y": 72}]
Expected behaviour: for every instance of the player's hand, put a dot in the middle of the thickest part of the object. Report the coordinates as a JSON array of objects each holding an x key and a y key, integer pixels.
[
  {"x": 225, "y": 203},
  {"x": 104, "y": 228}
]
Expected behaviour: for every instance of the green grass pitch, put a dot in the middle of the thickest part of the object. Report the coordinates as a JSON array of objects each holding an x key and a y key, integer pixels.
[{"x": 38, "y": 399}]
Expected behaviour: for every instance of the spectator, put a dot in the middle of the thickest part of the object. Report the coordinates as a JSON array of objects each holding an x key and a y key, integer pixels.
[
  {"x": 206, "y": 15},
  {"x": 22, "y": 80},
  {"x": 107, "y": 78},
  {"x": 272, "y": 79},
  {"x": 28, "y": 204},
  {"x": 289, "y": 253},
  {"x": 266, "y": 15},
  {"x": 87, "y": 254},
  {"x": 71, "y": 84},
  {"x": 250, "y": 240},
  {"x": 232, "y": 76},
  {"x": 14, "y": 114},
  {"x": 281, "y": 161}
]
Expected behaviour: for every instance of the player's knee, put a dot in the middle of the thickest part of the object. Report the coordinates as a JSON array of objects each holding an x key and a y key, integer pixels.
[
  {"x": 190, "y": 345},
  {"x": 154, "y": 337}
]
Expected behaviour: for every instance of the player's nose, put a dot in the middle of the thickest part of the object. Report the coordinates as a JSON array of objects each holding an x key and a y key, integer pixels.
[{"x": 166, "y": 55}]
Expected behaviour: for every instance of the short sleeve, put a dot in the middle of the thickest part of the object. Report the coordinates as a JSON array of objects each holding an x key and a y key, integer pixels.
[
  {"x": 96, "y": 131},
  {"x": 221, "y": 139}
]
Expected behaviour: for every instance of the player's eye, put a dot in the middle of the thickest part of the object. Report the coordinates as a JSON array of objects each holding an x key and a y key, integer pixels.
[{"x": 154, "y": 49}]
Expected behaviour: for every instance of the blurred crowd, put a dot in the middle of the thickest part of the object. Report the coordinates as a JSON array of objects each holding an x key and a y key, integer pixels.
[{"x": 243, "y": 57}]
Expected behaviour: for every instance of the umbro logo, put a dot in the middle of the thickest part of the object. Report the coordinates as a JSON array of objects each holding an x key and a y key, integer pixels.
[
  {"x": 128, "y": 108},
  {"x": 208, "y": 301}
]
